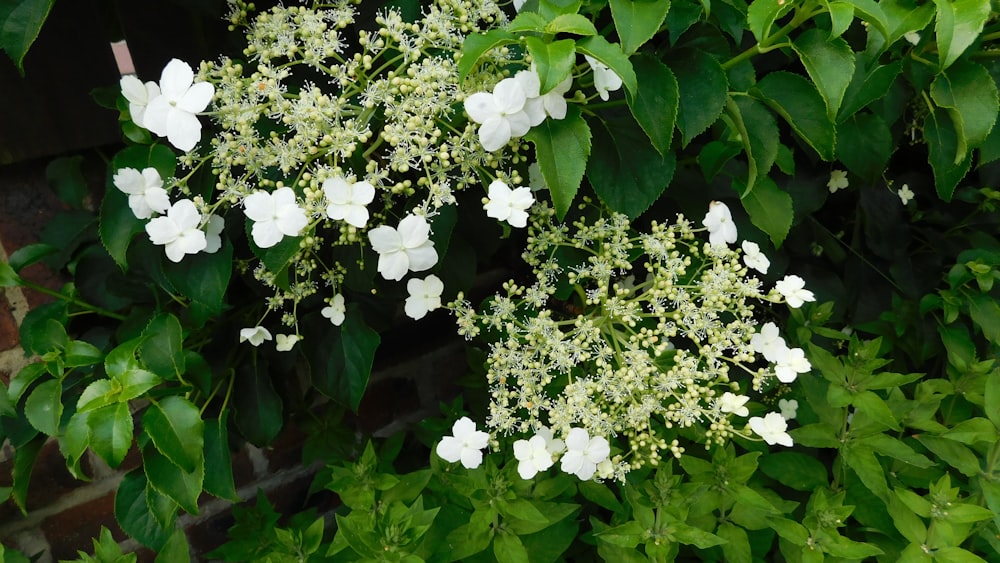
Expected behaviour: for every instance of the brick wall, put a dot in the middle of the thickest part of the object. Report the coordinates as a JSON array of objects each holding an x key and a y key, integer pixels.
[{"x": 64, "y": 514}]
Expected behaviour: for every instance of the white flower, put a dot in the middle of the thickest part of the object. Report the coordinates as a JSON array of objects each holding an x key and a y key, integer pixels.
[
  {"x": 792, "y": 288},
  {"x": 138, "y": 95},
  {"x": 518, "y": 4},
  {"x": 255, "y": 335},
  {"x": 213, "y": 231},
  {"x": 838, "y": 181},
  {"x": 464, "y": 445},
  {"x": 912, "y": 37},
  {"x": 275, "y": 215},
  {"x": 583, "y": 453},
  {"x": 905, "y": 194},
  {"x": 336, "y": 311},
  {"x": 539, "y": 106},
  {"x": 790, "y": 363},
  {"x": 732, "y": 403},
  {"x": 145, "y": 191},
  {"x": 425, "y": 296},
  {"x": 553, "y": 444},
  {"x": 789, "y": 408},
  {"x": 768, "y": 342},
  {"x": 509, "y": 205},
  {"x": 719, "y": 221},
  {"x": 348, "y": 200},
  {"x": 501, "y": 114},
  {"x": 178, "y": 230},
  {"x": 754, "y": 258},
  {"x": 605, "y": 79},
  {"x": 407, "y": 247},
  {"x": 285, "y": 342},
  {"x": 772, "y": 429},
  {"x": 172, "y": 113},
  {"x": 532, "y": 455}
]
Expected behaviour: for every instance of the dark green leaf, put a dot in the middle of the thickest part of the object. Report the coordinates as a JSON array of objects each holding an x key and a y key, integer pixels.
[
  {"x": 204, "y": 278},
  {"x": 562, "y": 147},
  {"x": 65, "y": 178},
  {"x": 133, "y": 514},
  {"x": 655, "y": 105},
  {"x": 258, "y": 406},
  {"x": 26, "y": 256},
  {"x": 863, "y": 461},
  {"x": 799, "y": 471},
  {"x": 958, "y": 25},
  {"x": 703, "y": 89},
  {"x": 759, "y": 134},
  {"x": 841, "y": 17},
  {"x": 24, "y": 460},
  {"x": 969, "y": 94},
  {"x": 796, "y": 100},
  {"x": 20, "y": 22},
  {"x": 867, "y": 85},
  {"x": 8, "y": 278},
  {"x": 942, "y": 144},
  {"x": 871, "y": 12},
  {"x": 175, "y": 426},
  {"x": 629, "y": 175},
  {"x": 637, "y": 22},
  {"x": 183, "y": 487},
  {"x": 44, "y": 408},
  {"x": 162, "y": 349},
  {"x": 830, "y": 64},
  {"x": 599, "y": 494},
  {"x": 761, "y": 15},
  {"x": 176, "y": 549},
  {"x": 219, "y": 481},
  {"x": 889, "y": 446},
  {"x": 864, "y": 144},
  {"x": 903, "y": 16},
  {"x": 79, "y": 353},
  {"x": 111, "y": 432},
  {"x": 24, "y": 378},
  {"x": 770, "y": 209},
  {"x": 612, "y": 56}
]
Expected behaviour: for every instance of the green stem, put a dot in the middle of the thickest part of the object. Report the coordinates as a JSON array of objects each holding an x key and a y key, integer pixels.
[
  {"x": 769, "y": 42},
  {"x": 72, "y": 300}
]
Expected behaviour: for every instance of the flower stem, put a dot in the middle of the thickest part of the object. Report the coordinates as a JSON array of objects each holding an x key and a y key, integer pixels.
[{"x": 72, "y": 300}]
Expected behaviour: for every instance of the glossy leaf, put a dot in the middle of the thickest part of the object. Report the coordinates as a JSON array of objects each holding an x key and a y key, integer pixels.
[
  {"x": 841, "y": 17},
  {"x": 553, "y": 60},
  {"x": 864, "y": 463},
  {"x": 864, "y": 145},
  {"x": 830, "y": 64},
  {"x": 571, "y": 23},
  {"x": 958, "y": 25},
  {"x": 523, "y": 21},
  {"x": 761, "y": 15},
  {"x": 759, "y": 133},
  {"x": 23, "y": 380},
  {"x": 8, "y": 278},
  {"x": 74, "y": 442},
  {"x": 867, "y": 85},
  {"x": 162, "y": 348},
  {"x": 796, "y": 100},
  {"x": 969, "y": 94},
  {"x": 903, "y": 17},
  {"x": 79, "y": 353},
  {"x": 219, "y": 481},
  {"x": 871, "y": 13},
  {"x": 183, "y": 487},
  {"x": 703, "y": 89},
  {"x": 637, "y": 21},
  {"x": 508, "y": 548},
  {"x": 176, "y": 429},
  {"x": 20, "y": 23},
  {"x": 942, "y": 144},
  {"x": 44, "y": 408},
  {"x": 655, "y": 104},
  {"x": 176, "y": 549},
  {"x": 133, "y": 514},
  {"x": 111, "y": 432},
  {"x": 203, "y": 278},
  {"x": 475, "y": 46},
  {"x": 562, "y": 147}
]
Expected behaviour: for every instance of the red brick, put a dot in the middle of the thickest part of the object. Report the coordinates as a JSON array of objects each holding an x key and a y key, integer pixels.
[
  {"x": 8, "y": 327},
  {"x": 73, "y": 529}
]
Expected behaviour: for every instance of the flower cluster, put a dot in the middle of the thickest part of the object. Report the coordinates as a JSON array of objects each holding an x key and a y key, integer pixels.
[{"x": 642, "y": 339}]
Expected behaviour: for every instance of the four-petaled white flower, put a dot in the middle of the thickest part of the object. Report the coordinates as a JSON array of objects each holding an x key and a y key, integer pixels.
[
  {"x": 789, "y": 408},
  {"x": 768, "y": 342},
  {"x": 509, "y": 205},
  {"x": 533, "y": 456},
  {"x": 583, "y": 453},
  {"x": 172, "y": 113},
  {"x": 553, "y": 444},
  {"x": 464, "y": 445},
  {"x": 178, "y": 230},
  {"x": 754, "y": 258},
  {"x": 719, "y": 221},
  {"x": 336, "y": 311},
  {"x": 138, "y": 95},
  {"x": 790, "y": 363},
  {"x": 285, "y": 342},
  {"x": 792, "y": 288},
  {"x": 275, "y": 215},
  {"x": 213, "y": 233},
  {"x": 347, "y": 200},
  {"x": 605, "y": 79},
  {"x": 145, "y": 191},
  {"x": 425, "y": 296},
  {"x": 538, "y": 106},
  {"x": 733, "y": 403},
  {"x": 500, "y": 114},
  {"x": 772, "y": 429},
  {"x": 406, "y": 248},
  {"x": 254, "y": 335},
  {"x": 838, "y": 181},
  {"x": 905, "y": 194}
]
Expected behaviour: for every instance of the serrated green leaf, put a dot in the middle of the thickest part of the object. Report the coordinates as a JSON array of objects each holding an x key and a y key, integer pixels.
[
  {"x": 629, "y": 534},
  {"x": 942, "y": 144},
  {"x": 74, "y": 442},
  {"x": 637, "y": 21},
  {"x": 839, "y": 546},
  {"x": 96, "y": 395},
  {"x": 554, "y": 60},
  {"x": 972, "y": 431},
  {"x": 551, "y": 9},
  {"x": 174, "y": 425},
  {"x": 612, "y": 56},
  {"x": 875, "y": 409},
  {"x": 992, "y": 398},
  {"x": 864, "y": 463},
  {"x": 258, "y": 406},
  {"x": 176, "y": 549},
  {"x": 690, "y": 535},
  {"x": 571, "y": 23},
  {"x": 630, "y": 175},
  {"x": 841, "y": 17},
  {"x": 969, "y": 94},
  {"x": 904, "y": 16},
  {"x": 599, "y": 494},
  {"x": 20, "y": 23},
  {"x": 23, "y": 380},
  {"x": 43, "y": 407},
  {"x": 562, "y": 148},
  {"x": 871, "y": 12},
  {"x": 957, "y": 555},
  {"x": 864, "y": 144},
  {"x": 759, "y": 134},
  {"x": 79, "y": 353},
  {"x": 655, "y": 104},
  {"x": 867, "y": 85},
  {"x": 523, "y": 21},
  {"x": 111, "y": 432},
  {"x": 219, "y": 481},
  {"x": 761, "y": 15},
  {"x": 133, "y": 514},
  {"x": 816, "y": 435},
  {"x": 183, "y": 487},
  {"x": 830, "y": 64},
  {"x": 703, "y": 89},
  {"x": 958, "y": 25},
  {"x": 770, "y": 209},
  {"x": 65, "y": 178},
  {"x": 477, "y": 45},
  {"x": 796, "y": 100},
  {"x": 162, "y": 348}
]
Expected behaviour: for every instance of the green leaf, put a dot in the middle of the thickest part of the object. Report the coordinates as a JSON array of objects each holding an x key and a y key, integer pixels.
[
  {"x": 973, "y": 430},
  {"x": 8, "y": 278},
  {"x": 942, "y": 146},
  {"x": 629, "y": 175},
  {"x": 553, "y": 61},
  {"x": 65, "y": 178},
  {"x": 796, "y": 100},
  {"x": 612, "y": 56},
  {"x": 175, "y": 426},
  {"x": 867, "y": 85},
  {"x": 841, "y": 17},
  {"x": 28, "y": 255},
  {"x": 903, "y": 16},
  {"x": 599, "y": 494},
  {"x": 79, "y": 353},
  {"x": 839, "y": 546},
  {"x": 761, "y": 15},
  {"x": 969, "y": 94},
  {"x": 889, "y": 446},
  {"x": 957, "y": 555},
  {"x": 176, "y": 549},
  {"x": 219, "y": 481},
  {"x": 524, "y": 21},
  {"x": 135, "y": 382},
  {"x": 629, "y": 534},
  {"x": 952, "y": 453},
  {"x": 799, "y": 471},
  {"x": 737, "y": 546},
  {"x": 24, "y": 378},
  {"x": 816, "y": 435},
  {"x": 992, "y": 398},
  {"x": 958, "y": 25},
  {"x": 770, "y": 209},
  {"x": 24, "y": 460},
  {"x": 111, "y": 432},
  {"x": 20, "y": 22},
  {"x": 637, "y": 21},
  {"x": 864, "y": 144},
  {"x": 759, "y": 134},
  {"x": 204, "y": 278},
  {"x": 508, "y": 548},
  {"x": 551, "y": 9},
  {"x": 830, "y": 64},
  {"x": 183, "y": 487},
  {"x": 690, "y": 535},
  {"x": 74, "y": 442},
  {"x": 258, "y": 406},
  {"x": 863, "y": 461},
  {"x": 133, "y": 514},
  {"x": 44, "y": 408},
  {"x": 871, "y": 12},
  {"x": 875, "y": 408},
  {"x": 655, "y": 104},
  {"x": 475, "y": 46},
  {"x": 570, "y": 23},
  {"x": 703, "y": 89},
  {"x": 562, "y": 147},
  {"x": 162, "y": 348}
]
